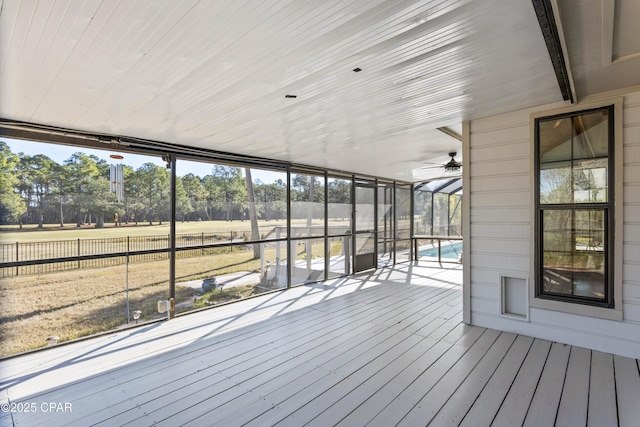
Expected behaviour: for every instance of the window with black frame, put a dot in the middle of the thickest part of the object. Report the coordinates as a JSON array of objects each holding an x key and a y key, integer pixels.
[{"x": 574, "y": 184}]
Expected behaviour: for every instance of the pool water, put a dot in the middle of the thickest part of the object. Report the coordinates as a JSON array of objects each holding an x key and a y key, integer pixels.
[{"x": 451, "y": 251}]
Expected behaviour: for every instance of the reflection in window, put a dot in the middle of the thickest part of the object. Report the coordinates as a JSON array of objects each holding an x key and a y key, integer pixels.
[
  {"x": 574, "y": 207},
  {"x": 573, "y": 159},
  {"x": 573, "y": 252}
]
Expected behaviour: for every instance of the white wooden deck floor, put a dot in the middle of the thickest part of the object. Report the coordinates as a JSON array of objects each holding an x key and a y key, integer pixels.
[{"x": 382, "y": 349}]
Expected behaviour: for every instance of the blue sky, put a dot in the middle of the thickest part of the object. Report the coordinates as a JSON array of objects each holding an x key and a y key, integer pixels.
[{"x": 60, "y": 153}]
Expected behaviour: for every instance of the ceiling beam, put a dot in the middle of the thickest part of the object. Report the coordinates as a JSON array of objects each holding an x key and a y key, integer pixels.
[
  {"x": 452, "y": 133},
  {"x": 546, "y": 19}
]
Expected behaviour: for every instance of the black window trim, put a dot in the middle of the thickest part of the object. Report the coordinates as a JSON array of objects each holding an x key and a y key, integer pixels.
[{"x": 608, "y": 207}]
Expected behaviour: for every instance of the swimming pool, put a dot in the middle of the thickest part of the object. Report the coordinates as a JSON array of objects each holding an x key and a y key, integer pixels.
[{"x": 451, "y": 251}]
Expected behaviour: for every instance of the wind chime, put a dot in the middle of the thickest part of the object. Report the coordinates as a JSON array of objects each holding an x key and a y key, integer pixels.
[{"x": 116, "y": 183}]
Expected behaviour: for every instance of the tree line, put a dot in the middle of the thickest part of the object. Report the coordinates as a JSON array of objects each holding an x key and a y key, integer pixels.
[{"x": 37, "y": 190}]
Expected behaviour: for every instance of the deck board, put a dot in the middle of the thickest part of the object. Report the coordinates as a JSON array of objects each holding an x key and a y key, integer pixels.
[
  {"x": 461, "y": 401},
  {"x": 575, "y": 395},
  {"x": 411, "y": 395},
  {"x": 545, "y": 402},
  {"x": 381, "y": 348},
  {"x": 514, "y": 408},
  {"x": 627, "y": 384},
  {"x": 602, "y": 396},
  {"x": 437, "y": 396},
  {"x": 489, "y": 400},
  {"x": 387, "y": 392}
]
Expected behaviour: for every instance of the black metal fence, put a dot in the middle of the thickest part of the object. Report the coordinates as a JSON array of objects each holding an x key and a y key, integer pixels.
[{"x": 40, "y": 257}]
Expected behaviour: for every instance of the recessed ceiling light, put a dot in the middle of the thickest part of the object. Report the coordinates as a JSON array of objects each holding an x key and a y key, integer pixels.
[
  {"x": 291, "y": 96},
  {"x": 357, "y": 70}
]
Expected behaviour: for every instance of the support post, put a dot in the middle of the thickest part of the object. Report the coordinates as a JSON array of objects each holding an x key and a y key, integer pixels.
[
  {"x": 127, "y": 287},
  {"x": 449, "y": 214},
  {"x": 432, "y": 211},
  {"x": 172, "y": 235}
]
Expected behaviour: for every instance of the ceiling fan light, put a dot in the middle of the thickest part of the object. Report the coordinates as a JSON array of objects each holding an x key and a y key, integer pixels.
[{"x": 452, "y": 166}]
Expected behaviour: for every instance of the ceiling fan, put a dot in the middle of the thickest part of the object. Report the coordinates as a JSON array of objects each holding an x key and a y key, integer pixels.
[{"x": 451, "y": 166}]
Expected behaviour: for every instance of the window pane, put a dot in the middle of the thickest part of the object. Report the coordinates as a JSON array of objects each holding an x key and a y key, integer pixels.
[
  {"x": 590, "y": 181},
  {"x": 555, "y": 140},
  {"x": 591, "y": 135},
  {"x": 573, "y": 252},
  {"x": 580, "y": 137},
  {"x": 574, "y": 159},
  {"x": 555, "y": 183}
]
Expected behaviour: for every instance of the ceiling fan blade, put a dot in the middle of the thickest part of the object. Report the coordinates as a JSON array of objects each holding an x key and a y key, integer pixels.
[{"x": 439, "y": 166}]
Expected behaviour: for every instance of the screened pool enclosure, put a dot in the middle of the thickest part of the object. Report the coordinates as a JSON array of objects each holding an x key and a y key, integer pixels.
[
  {"x": 196, "y": 230},
  {"x": 437, "y": 226}
]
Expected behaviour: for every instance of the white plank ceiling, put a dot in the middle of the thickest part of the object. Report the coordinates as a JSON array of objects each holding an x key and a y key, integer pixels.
[{"x": 214, "y": 74}]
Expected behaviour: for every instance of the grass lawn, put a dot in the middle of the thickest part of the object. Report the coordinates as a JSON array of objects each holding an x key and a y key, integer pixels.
[
  {"x": 77, "y": 303},
  {"x": 31, "y": 233}
]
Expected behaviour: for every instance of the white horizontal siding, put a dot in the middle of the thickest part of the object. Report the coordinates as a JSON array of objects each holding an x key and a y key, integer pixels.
[
  {"x": 501, "y": 215},
  {"x": 632, "y": 250},
  {"x": 486, "y": 277},
  {"x": 496, "y": 245},
  {"x": 632, "y": 154},
  {"x": 506, "y": 199},
  {"x": 631, "y": 288},
  {"x": 499, "y": 167},
  {"x": 631, "y": 267},
  {"x": 514, "y": 150},
  {"x": 492, "y": 183},
  {"x": 501, "y": 229},
  {"x": 484, "y": 291},
  {"x": 631, "y": 194},
  {"x": 516, "y": 231},
  {"x": 631, "y": 211},
  {"x": 632, "y": 135},
  {"x": 632, "y": 312},
  {"x": 504, "y": 259}
]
